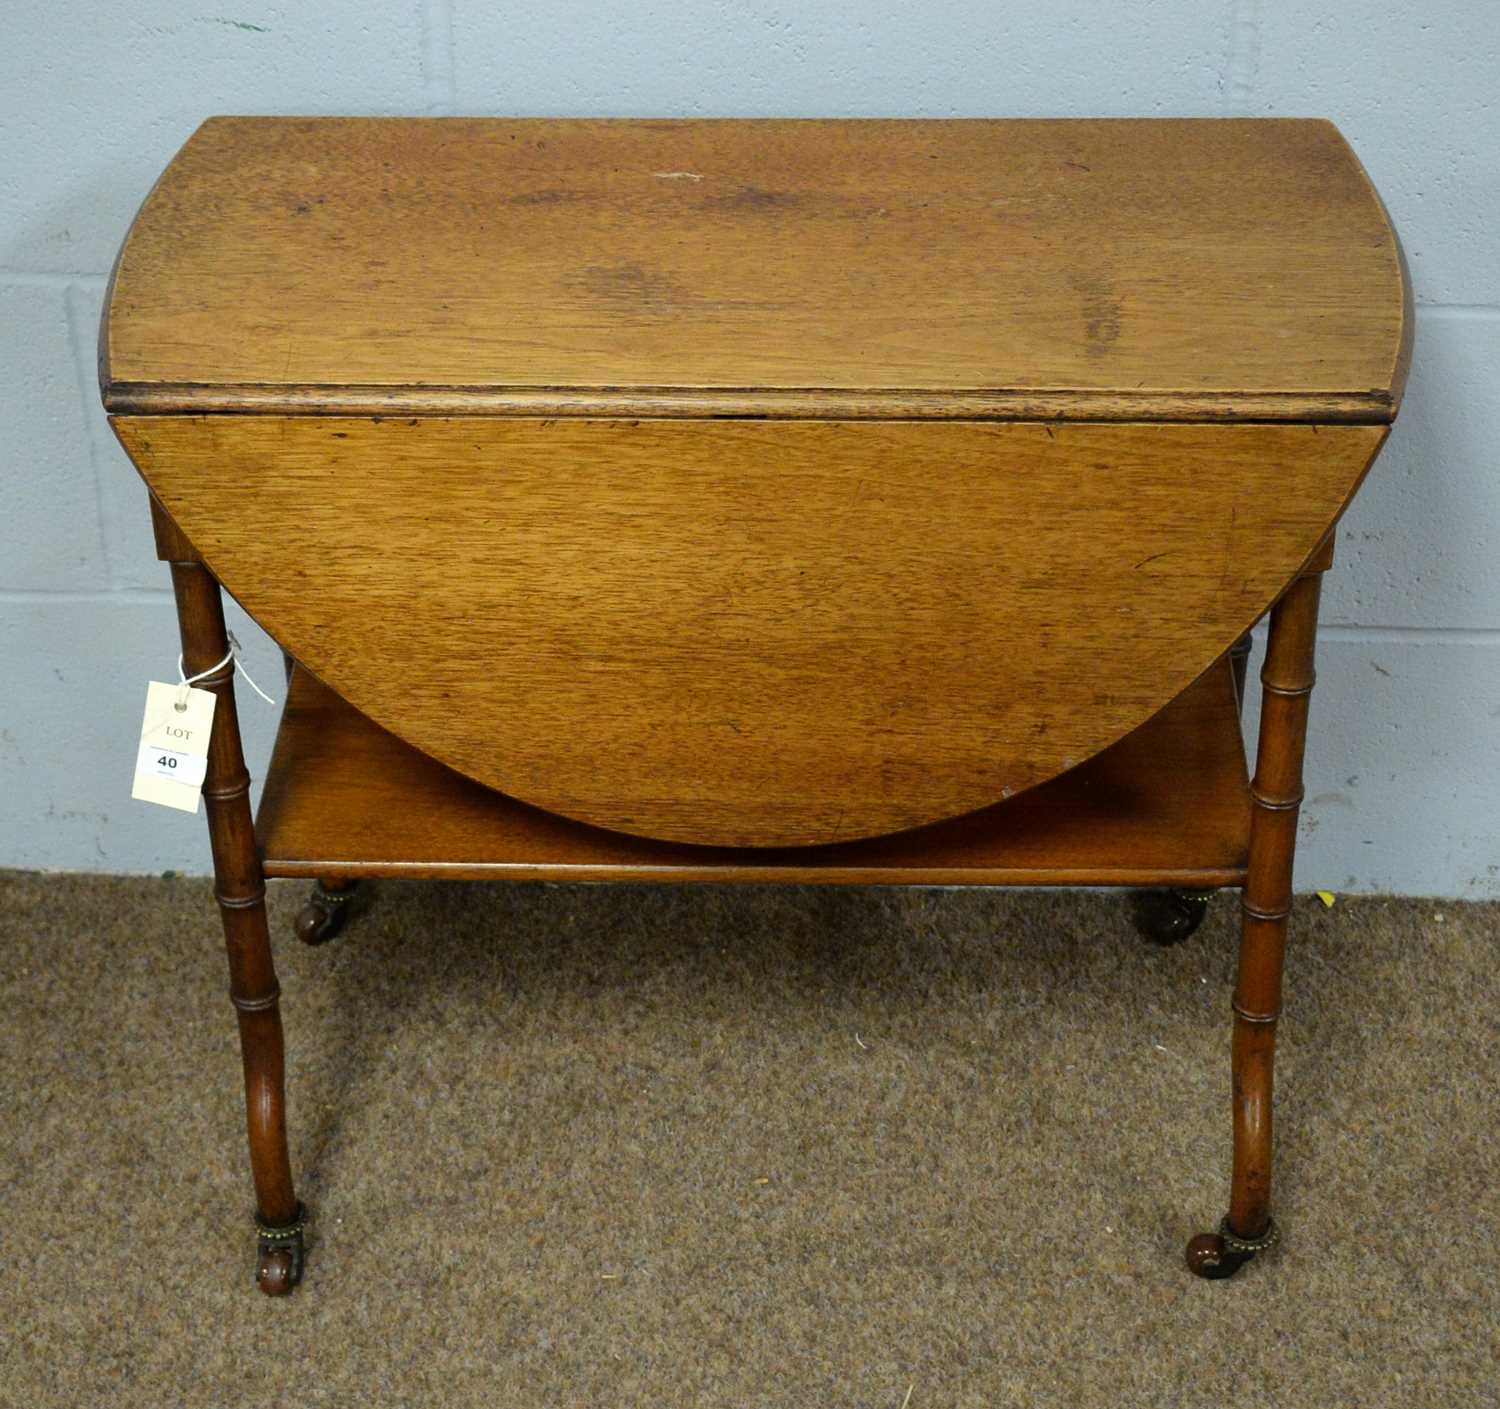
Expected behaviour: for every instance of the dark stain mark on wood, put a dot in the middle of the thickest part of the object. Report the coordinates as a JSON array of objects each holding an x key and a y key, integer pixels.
[
  {"x": 548, "y": 197},
  {"x": 632, "y": 287},
  {"x": 1101, "y": 310},
  {"x": 753, "y": 200}
]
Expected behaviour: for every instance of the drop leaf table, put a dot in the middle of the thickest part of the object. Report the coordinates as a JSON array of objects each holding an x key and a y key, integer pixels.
[{"x": 765, "y": 501}]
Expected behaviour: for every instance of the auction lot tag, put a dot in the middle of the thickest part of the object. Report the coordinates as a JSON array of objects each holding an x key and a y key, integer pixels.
[{"x": 173, "y": 756}]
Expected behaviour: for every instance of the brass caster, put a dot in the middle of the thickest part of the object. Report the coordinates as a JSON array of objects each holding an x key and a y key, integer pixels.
[
  {"x": 1222, "y": 1254},
  {"x": 325, "y": 913},
  {"x": 279, "y": 1255},
  {"x": 1168, "y": 917}
]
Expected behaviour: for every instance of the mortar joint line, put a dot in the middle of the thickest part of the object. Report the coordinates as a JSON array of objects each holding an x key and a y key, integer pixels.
[{"x": 1242, "y": 56}]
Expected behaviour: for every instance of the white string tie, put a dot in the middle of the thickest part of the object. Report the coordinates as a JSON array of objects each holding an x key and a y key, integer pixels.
[{"x": 185, "y": 682}]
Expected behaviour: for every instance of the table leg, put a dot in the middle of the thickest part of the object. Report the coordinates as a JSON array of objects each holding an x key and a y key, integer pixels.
[
  {"x": 240, "y": 889},
  {"x": 1276, "y": 796}
]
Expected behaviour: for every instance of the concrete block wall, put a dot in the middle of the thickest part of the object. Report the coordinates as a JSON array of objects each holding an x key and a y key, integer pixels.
[{"x": 1405, "y": 762}]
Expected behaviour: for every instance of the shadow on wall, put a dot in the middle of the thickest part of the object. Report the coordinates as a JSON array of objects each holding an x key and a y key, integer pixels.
[
  {"x": 1413, "y": 549},
  {"x": 81, "y": 525},
  {"x": 86, "y": 614}
]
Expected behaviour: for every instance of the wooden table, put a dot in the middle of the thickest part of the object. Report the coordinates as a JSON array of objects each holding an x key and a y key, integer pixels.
[{"x": 759, "y": 501}]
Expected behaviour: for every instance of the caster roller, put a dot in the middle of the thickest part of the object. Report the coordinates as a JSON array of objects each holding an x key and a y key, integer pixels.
[
  {"x": 1222, "y": 1254},
  {"x": 325, "y": 913},
  {"x": 1169, "y": 916},
  {"x": 278, "y": 1256},
  {"x": 277, "y": 1272}
]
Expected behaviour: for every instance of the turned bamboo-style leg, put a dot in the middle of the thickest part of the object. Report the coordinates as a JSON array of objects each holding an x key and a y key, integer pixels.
[
  {"x": 326, "y": 911},
  {"x": 1276, "y": 796},
  {"x": 240, "y": 890}
]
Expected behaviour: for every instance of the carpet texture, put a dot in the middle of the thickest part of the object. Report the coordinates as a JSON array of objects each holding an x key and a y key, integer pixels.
[{"x": 743, "y": 1147}]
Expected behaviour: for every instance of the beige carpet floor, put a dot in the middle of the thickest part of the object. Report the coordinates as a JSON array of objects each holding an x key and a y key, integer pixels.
[{"x": 754, "y": 1147}]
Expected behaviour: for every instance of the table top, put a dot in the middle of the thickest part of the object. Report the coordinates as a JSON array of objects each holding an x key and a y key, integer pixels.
[
  {"x": 1215, "y": 269},
  {"x": 757, "y": 483}
]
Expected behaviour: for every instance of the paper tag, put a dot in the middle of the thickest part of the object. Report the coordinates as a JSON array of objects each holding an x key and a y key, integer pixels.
[{"x": 173, "y": 756}]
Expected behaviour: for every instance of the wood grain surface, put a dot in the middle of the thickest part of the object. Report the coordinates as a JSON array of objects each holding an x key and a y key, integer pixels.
[
  {"x": 752, "y": 632},
  {"x": 1166, "y": 805},
  {"x": 1203, "y": 269}
]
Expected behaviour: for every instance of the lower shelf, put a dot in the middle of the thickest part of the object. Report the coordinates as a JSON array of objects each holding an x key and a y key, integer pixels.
[{"x": 1167, "y": 805}]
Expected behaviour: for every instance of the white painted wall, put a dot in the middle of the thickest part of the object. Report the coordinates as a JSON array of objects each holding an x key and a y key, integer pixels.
[{"x": 1405, "y": 763}]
